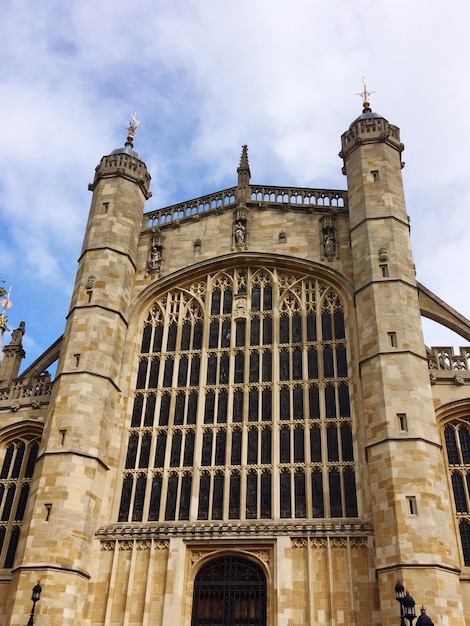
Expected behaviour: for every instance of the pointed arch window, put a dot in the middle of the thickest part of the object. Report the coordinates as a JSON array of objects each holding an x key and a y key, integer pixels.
[
  {"x": 17, "y": 466},
  {"x": 242, "y": 379},
  {"x": 457, "y": 446}
]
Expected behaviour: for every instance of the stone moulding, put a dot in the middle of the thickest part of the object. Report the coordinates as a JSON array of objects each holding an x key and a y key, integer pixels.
[{"x": 122, "y": 532}]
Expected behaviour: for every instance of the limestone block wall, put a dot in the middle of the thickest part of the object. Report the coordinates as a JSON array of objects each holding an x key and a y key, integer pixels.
[{"x": 311, "y": 581}]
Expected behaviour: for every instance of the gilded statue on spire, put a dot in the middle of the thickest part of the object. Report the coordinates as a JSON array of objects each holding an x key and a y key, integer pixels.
[
  {"x": 5, "y": 303},
  {"x": 364, "y": 94},
  {"x": 134, "y": 125}
]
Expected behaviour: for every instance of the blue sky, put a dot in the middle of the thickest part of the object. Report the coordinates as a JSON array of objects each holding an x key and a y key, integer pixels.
[{"x": 205, "y": 77}]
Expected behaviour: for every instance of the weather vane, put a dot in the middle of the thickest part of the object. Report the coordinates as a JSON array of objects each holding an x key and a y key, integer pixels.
[
  {"x": 364, "y": 94},
  {"x": 134, "y": 125}
]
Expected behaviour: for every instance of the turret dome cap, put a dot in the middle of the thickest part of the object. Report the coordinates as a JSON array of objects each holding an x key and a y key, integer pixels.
[
  {"x": 127, "y": 149},
  {"x": 367, "y": 114}
]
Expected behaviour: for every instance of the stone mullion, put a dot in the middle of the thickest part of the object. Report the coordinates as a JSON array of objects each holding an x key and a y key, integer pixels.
[{"x": 276, "y": 387}]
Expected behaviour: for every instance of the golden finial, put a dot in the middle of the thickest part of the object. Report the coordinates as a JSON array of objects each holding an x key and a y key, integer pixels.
[
  {"x": 364, "y": 94},
  {"x": 5, "y": 303},
  {"x": 134, "y": 125}
]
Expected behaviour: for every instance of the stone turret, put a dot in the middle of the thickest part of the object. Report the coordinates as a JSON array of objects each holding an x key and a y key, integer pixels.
[
  {"x": 78, "y": 450},
  {"x": 413, "y": 524}
]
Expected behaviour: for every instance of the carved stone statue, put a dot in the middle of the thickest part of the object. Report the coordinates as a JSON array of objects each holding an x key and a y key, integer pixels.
[
  {"x": 17, "y": 334},
  {"x": 240, "y": 233},
  {"x": 155, "y": 258},
  {"x": 329, "y": 241}
]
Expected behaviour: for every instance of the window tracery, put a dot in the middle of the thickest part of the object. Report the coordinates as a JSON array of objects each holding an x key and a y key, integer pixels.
[
  {"x": 241, "y": 407},
  {"x": 15, "y": 480},
  {"x": 457, "y": 444}
]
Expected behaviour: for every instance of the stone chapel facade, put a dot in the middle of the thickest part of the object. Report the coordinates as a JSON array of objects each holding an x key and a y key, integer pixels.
[{"x": 245, "y": 427}]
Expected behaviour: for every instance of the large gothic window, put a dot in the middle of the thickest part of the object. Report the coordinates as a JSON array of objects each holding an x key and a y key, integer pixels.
[
  {"x": 19, "y": 458},
  {"x": 457, "y": 442},
  {"x": 230, "y": 591},
  {"x": 241, "y": 407}
]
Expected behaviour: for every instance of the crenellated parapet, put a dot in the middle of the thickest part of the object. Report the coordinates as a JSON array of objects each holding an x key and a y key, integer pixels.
[
  {"x": 370, "y": 128},
  {"x": 126, "y": 166}
]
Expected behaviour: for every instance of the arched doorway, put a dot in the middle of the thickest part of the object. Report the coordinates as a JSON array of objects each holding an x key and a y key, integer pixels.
[{"x": 229, "y": 591}]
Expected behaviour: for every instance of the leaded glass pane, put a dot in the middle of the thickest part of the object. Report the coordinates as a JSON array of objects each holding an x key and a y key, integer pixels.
[
  {"x": 131, "y": 451},
  {"x": 206, "y": 448},
  {"x": 285, "y": 494},
  {"x": 175, "y": 454},
  {"x": 239, "y": 367},
  {"x": 265, "y": 495},
  {"x": 155, "y": 497},
  {"x": 326, "y": 326},
  {"x": 350, "y": 499},
  {"x": 315, "y": 444},
  {"x": 222, "y": 407},
  {"x": 332, "y": 443},
  {"x": 464, "y": 437},
  {"x": 188, "y": 449},
  {"x": 284, "y": 442},
  {"x": 7, "y": 461},
  {"x": 125, "y": 499},
  {"x": 185, "y": 497},
  {"x": 168, "y": 372},
  {"x": 139, "y": 499},
  {"x": 317, "y": 494},
  {"x": 266, "y": 405},
  {"x": 346, "y": 443},
  {"x": 218, "y": 496},
  {"x": 204, "y": 491},
  {"x": 299, "y": 490},
  {"x": 451, "y": 446},
  {"x": 234, "y": 496},
  {"x": 220, "y": 441},
  {"x": 154, "y": 369},
  {"x": 160, "y": 450},
  {"x": 236, "y": 457},
  {"x": 253, "y": 405},
  {"x": 251, "y": 495},
  {"x": 183, "y": 371},
  {"x": 164, "y": 410},
  {"x": 237, "y": 406},
  {"x": 171, "y": 497},
  {"x": 267, "y": 298},
  {"x": 136, "y": 413},
  {"x": 252, "y": 453},
  {"x": 299, "y": 452},
  {"x": 171, "y": 341},
  {"x": 266, "y": 446},
  {"x": 149, "y": 411},
  {"x": 145, "y": 450},
  {"x": 459, "y": 493},
  {"x": 335, "y": 494}
]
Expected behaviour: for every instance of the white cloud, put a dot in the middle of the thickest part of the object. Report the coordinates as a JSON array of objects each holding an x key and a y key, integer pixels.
[{"x": 205, "y": 78}]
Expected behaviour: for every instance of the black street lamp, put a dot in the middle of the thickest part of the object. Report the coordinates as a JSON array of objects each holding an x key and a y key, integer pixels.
[
  {"x": 423, "y": 619},
  {"x": 408, "y": 608},
  {"x": 34, "y": 597},
  {"x": 400, "y": 595}
]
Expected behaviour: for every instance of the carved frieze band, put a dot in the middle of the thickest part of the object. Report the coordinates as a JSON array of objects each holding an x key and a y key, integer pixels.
[
  {"x": 130, "y": 544},
  {"x": 334, "y": 542}
]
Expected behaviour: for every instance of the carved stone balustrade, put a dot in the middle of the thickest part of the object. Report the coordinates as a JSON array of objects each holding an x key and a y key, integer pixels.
[{"x": 30, "y": 387}]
